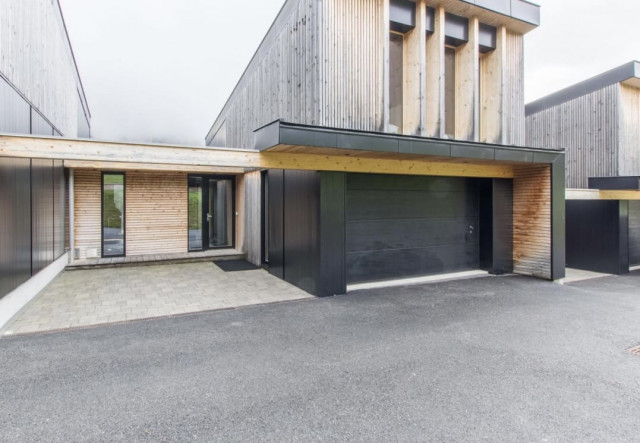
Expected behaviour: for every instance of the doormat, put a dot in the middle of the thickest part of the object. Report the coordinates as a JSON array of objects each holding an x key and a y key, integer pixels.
[{"x": 235, "y": 265}]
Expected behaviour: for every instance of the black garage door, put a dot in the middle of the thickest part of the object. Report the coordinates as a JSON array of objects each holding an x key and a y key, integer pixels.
[
  {"x": 404, "y": 226},
  {"x": 634, "y": 233}
]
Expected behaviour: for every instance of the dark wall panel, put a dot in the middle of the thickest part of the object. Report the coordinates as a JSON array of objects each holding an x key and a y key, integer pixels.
[
  {"x": 59, "y": 200},
  {"x": 275, "y": 213},
  {"x": 42, "y": 211},
  {"x": 333, "y": 277},
  {"x": 403, "y": 226},
  {"x": 302, "y": 229},
  {"x": 502, "y": 226},
  {"x": 15, "y": 226},
  {"x": 634, "y": 233},
  {"x": 593, "y": 236}
]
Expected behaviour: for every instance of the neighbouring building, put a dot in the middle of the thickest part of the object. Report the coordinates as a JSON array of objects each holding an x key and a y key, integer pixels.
[
  {"x": 41, "y": 94},
  {"x": 597, "y": 121}
]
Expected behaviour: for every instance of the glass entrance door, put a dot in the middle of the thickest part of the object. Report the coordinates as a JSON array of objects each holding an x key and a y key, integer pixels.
[{"x": 211, "y": 212}]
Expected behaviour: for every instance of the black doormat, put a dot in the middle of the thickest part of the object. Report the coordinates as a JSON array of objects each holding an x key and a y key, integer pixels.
[{"x": 235, "y": 265}]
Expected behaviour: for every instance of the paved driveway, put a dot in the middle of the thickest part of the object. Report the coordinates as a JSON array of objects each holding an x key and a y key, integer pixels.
[
  {"x": 492, "y": 359},
  {"x": 84, "y": 298}
]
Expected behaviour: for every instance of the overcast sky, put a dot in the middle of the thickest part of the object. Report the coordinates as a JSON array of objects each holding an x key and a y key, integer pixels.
[{"x": 161, "y": 70}]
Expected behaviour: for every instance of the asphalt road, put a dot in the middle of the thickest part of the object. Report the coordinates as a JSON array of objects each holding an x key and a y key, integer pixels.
[{"x": 491, "y": 359}]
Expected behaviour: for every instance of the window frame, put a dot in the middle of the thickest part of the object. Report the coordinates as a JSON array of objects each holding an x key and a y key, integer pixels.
[{"x": 124, "y": 212}]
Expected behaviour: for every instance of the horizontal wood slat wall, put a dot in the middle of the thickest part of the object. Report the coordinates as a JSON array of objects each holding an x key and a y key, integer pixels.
[
  {"x": 87, "y": 201},
  {"x": 532, "y": 221},
  {"x": 157, "y": 213}
]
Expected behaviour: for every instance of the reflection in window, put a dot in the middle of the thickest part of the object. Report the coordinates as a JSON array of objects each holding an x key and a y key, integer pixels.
[{"x": 113, "y": 215}]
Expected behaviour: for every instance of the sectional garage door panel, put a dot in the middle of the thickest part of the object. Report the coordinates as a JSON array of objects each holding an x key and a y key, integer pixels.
[
  {"x": 634, "y": 233},
  {"x": 401, "y": 226}
]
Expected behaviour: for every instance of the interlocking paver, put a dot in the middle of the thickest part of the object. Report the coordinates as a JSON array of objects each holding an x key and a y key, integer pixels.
[{"x": 85, "y": 298}]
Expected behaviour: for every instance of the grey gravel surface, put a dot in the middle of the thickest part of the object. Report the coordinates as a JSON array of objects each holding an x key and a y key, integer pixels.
[{"x": 491, "y": 359}]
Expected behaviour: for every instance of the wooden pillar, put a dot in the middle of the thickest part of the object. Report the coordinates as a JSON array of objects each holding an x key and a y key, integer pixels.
[
  {"x": 434, "y": 75},
  {"x": 414, "y": 74},
  {"x": 492, "y": 92},
  {"x": 467, "y": 86},
  {"x": 385, "y": 66}
]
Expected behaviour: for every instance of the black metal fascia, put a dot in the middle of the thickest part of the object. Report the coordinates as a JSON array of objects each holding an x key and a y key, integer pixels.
[
  {"x": 620, "y": 183},
  {"x": 402, "y": 15},
  {"x": 283, "y": 133}
]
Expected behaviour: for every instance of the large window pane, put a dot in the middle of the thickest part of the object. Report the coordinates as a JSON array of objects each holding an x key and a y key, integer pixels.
[
  {"x": 195, "y": 213},
  {"x": 450, "y": 91},
  {"x": 396, "y": 79},
  {"x": 113, "y": 215}
]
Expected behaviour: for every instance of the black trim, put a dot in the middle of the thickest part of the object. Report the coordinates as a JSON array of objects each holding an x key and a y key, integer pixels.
[
  {"x": 124, "y": 213},
  {"x": 281, "y": 132}
]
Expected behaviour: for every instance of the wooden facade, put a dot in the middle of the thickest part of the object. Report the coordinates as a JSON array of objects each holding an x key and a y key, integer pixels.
[
  {"x": 596, "y": 121},
  {"x": 37, "y": 60},
  {"x": 327, "y": 64}
]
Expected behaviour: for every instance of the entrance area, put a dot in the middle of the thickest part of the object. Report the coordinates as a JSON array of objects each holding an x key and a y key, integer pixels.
[{"x": 211, "y": 209}]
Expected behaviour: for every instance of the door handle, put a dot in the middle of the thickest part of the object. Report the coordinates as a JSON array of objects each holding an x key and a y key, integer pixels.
[{"x": 209, "y": 217}]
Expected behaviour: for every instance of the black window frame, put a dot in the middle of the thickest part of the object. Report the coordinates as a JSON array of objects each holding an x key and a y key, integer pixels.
[{"x": 124, "y": 211}]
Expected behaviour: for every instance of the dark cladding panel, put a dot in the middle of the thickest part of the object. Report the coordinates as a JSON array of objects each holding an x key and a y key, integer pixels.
[
  {"x": 634, "y": 233},
  {"x": 15, "y": 227},
  {"x": 593, "y": 236},
  {"x": 302, "y": 229},
  {"x": 59, "y": 191},
  {"x": 502, "y": 226},
  {"x": 42, "y": 213},
  {"x": 275, "y": 214},
  {"x": 333, "y": 279},
  {"x": 615, "y": 183},
  {"x": 402, "y": 15},
  {"x": 456, "y": 30}
]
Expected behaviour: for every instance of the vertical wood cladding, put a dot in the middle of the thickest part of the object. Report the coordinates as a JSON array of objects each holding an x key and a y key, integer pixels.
[
  {"x": 532, "y": 221},
  {"x": 629, "y": 152},
  {"x": 514, "y": 117},
  {"x": 87, "y": 207},
  {"x": 588, "y": 128},
  {"x": 37, "y": 59},
  {"x": 156, "y": 211},
  {"x": 252, "y": 241}
]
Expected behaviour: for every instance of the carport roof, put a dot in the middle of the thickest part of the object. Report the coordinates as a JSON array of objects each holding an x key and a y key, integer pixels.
[{"x": 281, "y": 136}]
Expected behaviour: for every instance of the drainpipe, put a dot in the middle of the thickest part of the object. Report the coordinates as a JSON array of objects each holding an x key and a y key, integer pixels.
[{"x": 72, "y": 207}]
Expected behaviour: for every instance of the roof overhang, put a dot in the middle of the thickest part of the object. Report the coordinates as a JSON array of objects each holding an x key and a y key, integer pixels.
[
  {"x": 281, "y": 136},
  {"x": 628, "y": 74}
]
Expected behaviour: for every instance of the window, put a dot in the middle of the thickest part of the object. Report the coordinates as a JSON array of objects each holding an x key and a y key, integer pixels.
[
  {"x": 113, "y": 215},
  {"x": 396, "y": 80},
  {"x": 195, "y": 213},
  {"x": 450, "y": 91}
]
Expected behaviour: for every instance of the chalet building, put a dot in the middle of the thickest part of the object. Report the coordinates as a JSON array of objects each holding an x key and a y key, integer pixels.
[
  {"x": 367, "y": 140},
  {"x": 597, "y": 121},
  {"x": 430, "y": 93},
  {"x": 40, "y": 94}
]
